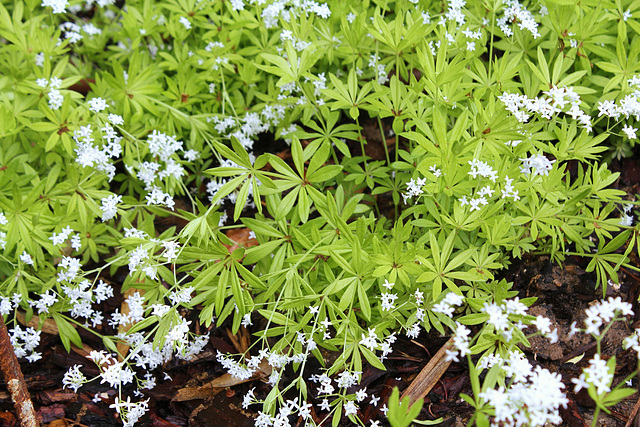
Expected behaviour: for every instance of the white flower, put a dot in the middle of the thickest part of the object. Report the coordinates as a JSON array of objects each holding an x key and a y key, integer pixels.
[
  {"x": 55, "y": 99},
  {"x": 73, "y": 378},
  {"x": 543, "y": 324},
  {"x": 598, "y": 374},
  {"x": 630, "y": 131},
  {"x": 388, "y": 301},
  {"x": 414, "y": 331},
  {"x": 536, "y": 164},
  {"x": 58, "y": 6},
  {"x": 97, "y": 104},
  {"x": 40, "y": 59},
  {"x": 370, "y": 341},
  {"x": 626, "y": 220},
  {"x": 435, "y": 171},
  {"x": 350, "y": 408},
  {"x": 109, "y": 206},
  {"x": 184, "y": 21},
  {"x": 26, "y": 258},
  {"x": 115, "y": 119}
]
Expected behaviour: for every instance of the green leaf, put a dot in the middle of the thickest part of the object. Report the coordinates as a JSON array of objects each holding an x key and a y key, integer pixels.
[{"x": 67, "y": 332}]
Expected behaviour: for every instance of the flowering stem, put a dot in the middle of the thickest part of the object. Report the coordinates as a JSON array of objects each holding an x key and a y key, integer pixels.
[{"x": 596, "y": 414}]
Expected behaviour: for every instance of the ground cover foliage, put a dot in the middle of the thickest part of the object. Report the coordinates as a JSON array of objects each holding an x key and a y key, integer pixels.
[{"x": 319, "y": 180}]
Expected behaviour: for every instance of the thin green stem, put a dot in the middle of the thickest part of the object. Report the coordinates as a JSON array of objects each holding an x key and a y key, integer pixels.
[{"x": 361, "y": 140}]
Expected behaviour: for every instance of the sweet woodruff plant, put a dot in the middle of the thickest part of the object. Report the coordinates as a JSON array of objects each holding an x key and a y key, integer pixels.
[{"x": 384, "y": 160}]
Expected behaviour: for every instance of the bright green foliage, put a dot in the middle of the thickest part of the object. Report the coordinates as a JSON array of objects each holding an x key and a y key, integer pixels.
[{"x": 488, "y": 147}]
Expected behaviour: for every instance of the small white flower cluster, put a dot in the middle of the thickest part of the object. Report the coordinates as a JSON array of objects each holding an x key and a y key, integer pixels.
[
  {"x": 130, "y": 412},
  {"x": 109, "y": 206},
  {"x": 87, "y": 154},
  {"x": 45, "y": 302},
  {"x": 533, "y": 398},
  {"x": 515, "y": 12},
  {"x": 25, "y": 341},
  {"x": 82, "y": 297},
  {"x": 9, "y": 304},
  {"x": 55, "y": 97},
  {"x": 629, "y": 131},
  {"x": 601, "y": 313},
  {"x": 371, "y": 342},
  {"x": 446, "y": 305},
  {"x": 26, "y": 258},
  {"x": 276, "y": 360},
  {"x": 171, "y": 253},
  {"x": 72, "y": 32},
  {"x": 388, "y": 301},
  {"x": 163, "y": 148},
  {"x": 544, "y": 326},
  {"x": 284, "y": 9},
  {"x": 73, "y": 378},
  {"x": 483, "y": 169},
  {"x": 97, "y": 105},
  {"x": 626, "y": 219},
  {"x": 596, "y": 374},
  {"x": 414, "y": 188},
  {"x": 3, "y": 235},
  {"x": 298, "y": 45},
  {"x": 60, "y": 238},
  {"x": 288, "y": 408},
  {"x": 454, "y": 13},
  {"x": 185, "y": 22},
  {"x": 113, "y": 373},
  {"x": 480, "y": 168},
  {"x": 236, "y": 369},
  {"x": 460, "y": 343},
  {"x": 537, "y": 164},
  {"x": 633, "y": 342},
  {"x": 381, "y": 73},
  {"x": 499, "y": 318},
  {"x": 177, "y": 344},
  {"x": 555, "y": 102},
  {"x": 57, "y": 6},
  {"x": 139, "y": 260},
  {"x": 627, "y": 106},
  {"x": 72, "y": 266}
]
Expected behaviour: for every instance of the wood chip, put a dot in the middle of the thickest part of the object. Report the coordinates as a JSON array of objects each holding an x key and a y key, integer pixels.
[{"x": 430, "y": 374}]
